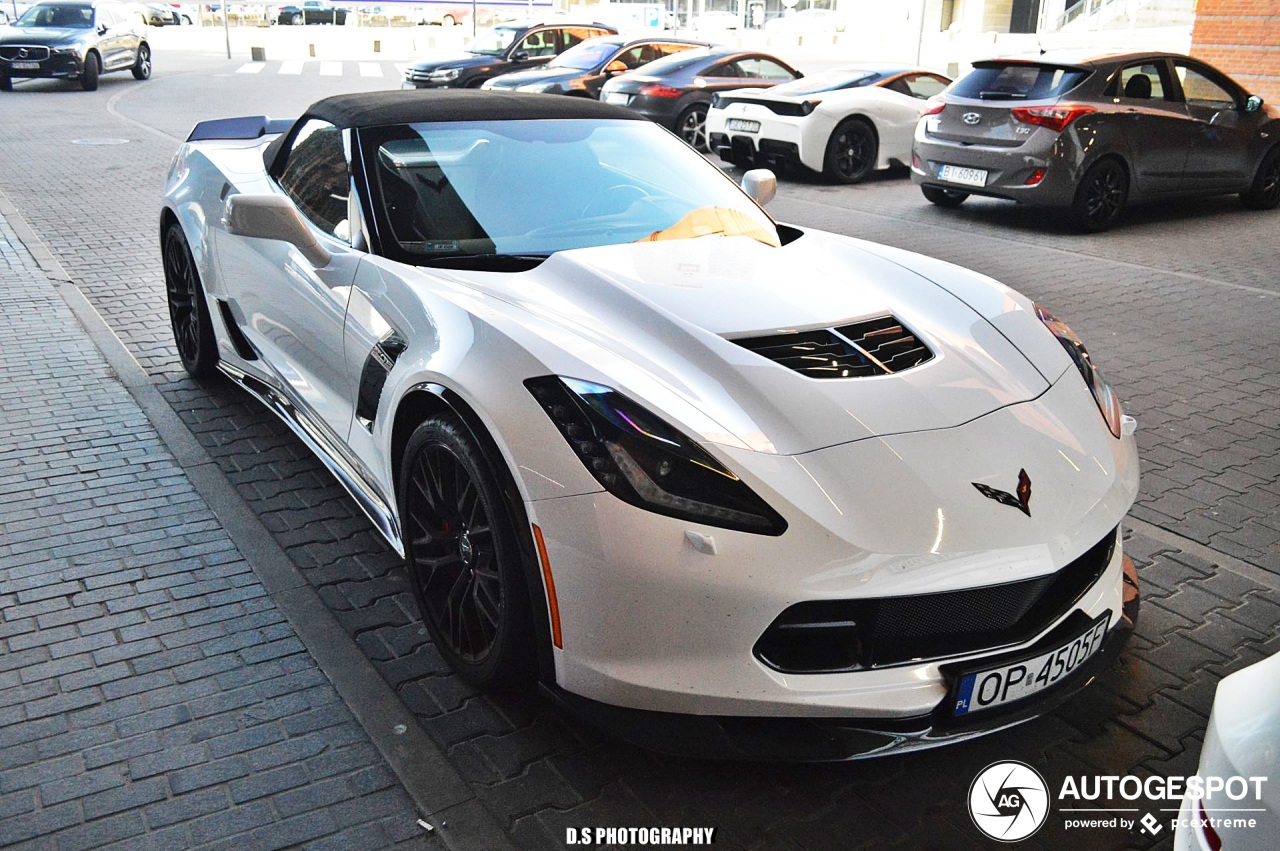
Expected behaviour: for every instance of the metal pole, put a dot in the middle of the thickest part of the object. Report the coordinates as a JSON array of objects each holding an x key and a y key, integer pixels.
[
  {"x": 920, "y": 33},
  {"x": 226, "y": 27}
]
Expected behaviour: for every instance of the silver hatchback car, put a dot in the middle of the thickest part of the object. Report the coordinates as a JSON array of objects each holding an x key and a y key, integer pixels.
[{"x": 1092, "y": 133}]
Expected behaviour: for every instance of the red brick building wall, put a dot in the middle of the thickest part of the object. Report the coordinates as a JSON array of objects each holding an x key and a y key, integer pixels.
[{"x": 1242, "y": 37}]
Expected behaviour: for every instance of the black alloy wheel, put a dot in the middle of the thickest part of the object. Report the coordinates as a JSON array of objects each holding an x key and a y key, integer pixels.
[
  {"x": 188, "y": 312},
  {"x": 1264, "y": 194},
  {"x": 463, "y": 560},
  {"x": 89, "y": 76},
  {"x": 1100, "y": 197},
  {"x": 949, "y": 198},
  {"x": 142, "y": 67},
  {"x": 692, "y": 126},
  {"x": 851, "y": 151}
]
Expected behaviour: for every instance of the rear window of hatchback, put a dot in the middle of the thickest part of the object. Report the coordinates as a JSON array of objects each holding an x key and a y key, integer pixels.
[{"x": 1018, "y": 81}]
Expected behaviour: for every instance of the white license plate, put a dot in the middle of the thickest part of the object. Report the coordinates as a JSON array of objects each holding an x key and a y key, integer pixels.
[
  {"x": 617, "y": 98},
  {"x": 24, "y": 66},
  {"x": 743, "y": 125},
  {"x": 967, "y": 176},
  {"x": 992, "y": 687}
]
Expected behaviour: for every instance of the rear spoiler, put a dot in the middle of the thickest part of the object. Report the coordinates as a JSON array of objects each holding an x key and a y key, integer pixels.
[{"x": 245, "y": 127}]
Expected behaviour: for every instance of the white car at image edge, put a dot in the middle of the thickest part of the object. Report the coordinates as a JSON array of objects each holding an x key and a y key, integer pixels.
[
  {"x": 1241, "y": 741},
  {"x": 721, "y": 485},
  {"x": 843, "y": 123}
]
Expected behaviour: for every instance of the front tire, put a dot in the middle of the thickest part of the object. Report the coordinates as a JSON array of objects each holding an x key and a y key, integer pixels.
[
  {"x": 142, "y": 66},
  {"x": 188, "y": 310},
  {"x": 89, "y": 76},
  {"x": 948, "y": 198},
  {"x": 692, "y": 126},
  {"x": 1264, "y": 194},
  {"x": 296, "y": 20},
  {"x": 463, "y": 558},
  {"x": 6, "y": 84},
  {"x": 1100, "y": 197},
  {"x": 851, "y": 151}
]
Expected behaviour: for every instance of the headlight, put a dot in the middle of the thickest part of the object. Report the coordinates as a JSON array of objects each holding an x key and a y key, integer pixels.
[
  {"x": 64, "y": 51},
  {"x": 642, "y": 460},
  {"x": 1108, "y": 404},
  {"x": 445, "y": 74}
]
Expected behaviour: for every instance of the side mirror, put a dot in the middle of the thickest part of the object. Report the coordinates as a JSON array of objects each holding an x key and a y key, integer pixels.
[
  {"x": 520, "y": 56},
  {"x": 617, "y": 66},
  {"x": 760, "y": 184},
  {"x": 273, "y": 217},
  {"x": 102, "y": 29},
  {"x": 1253, "y": 104}
]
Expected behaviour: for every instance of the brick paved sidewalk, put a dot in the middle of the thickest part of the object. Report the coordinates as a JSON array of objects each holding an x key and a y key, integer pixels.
[{"x": 151, "y": 693}]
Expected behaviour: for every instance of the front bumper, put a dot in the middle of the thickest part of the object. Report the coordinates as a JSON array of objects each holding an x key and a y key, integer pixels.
[
  {"x": 846, "y": 738},
  {"x": 55, "y": 67}
]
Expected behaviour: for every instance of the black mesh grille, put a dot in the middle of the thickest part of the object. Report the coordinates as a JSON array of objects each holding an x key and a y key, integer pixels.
[
  {"x": 879, "y": 346},
  {"x": 843, "y": 635}
]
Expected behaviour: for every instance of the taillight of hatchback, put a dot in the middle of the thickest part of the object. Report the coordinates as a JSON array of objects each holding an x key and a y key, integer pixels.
[{"x": 1055, "y": 118}]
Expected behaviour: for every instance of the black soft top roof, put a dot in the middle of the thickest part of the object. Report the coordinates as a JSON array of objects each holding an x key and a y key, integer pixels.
[{"x": 372, "y": 109}]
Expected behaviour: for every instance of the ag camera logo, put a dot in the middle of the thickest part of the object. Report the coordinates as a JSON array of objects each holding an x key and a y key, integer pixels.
[{"x": 1008, "y": 801}]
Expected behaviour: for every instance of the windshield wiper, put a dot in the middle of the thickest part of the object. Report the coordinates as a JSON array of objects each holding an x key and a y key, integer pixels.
[{"x": 485, "y": 262}]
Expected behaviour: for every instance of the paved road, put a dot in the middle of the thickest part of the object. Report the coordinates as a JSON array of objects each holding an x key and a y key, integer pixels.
[{"x": 1179, "y": 307}]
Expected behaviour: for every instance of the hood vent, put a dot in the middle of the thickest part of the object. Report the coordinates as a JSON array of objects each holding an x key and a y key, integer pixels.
[{"x": 880, "y": 346}]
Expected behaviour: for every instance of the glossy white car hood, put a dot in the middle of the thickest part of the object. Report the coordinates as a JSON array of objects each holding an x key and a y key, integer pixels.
[{"x": 671, "y": 308}]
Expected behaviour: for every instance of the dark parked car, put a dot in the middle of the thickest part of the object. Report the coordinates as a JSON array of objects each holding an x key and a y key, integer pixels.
[
  {"x": 1091, "y": 133},
  {"x": 312, "y": 12},
  {"x": 501, "y": 50},
  {"x": 676, "y": 91},
  {"x": 584, "y": 69},
  {"x": 74, "y": 40}
]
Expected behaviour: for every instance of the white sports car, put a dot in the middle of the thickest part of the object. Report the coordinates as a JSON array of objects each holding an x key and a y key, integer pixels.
[
  {"x": 719, "y": 484},
  {"x": 843, "y": 123}
]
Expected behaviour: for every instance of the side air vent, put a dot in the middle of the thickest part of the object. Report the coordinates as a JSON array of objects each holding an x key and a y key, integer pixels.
[{"x": 879, "y": 346}]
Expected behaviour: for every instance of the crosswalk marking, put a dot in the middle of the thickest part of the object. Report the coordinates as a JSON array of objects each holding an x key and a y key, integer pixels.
[{"x": 326, "y": 68}]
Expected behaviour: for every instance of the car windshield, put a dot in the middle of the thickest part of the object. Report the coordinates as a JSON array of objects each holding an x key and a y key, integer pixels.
[
  {"x": 513, "y": 189},
  {"x": 827, "y": 81},
  {"x": 57, "y": 15},
  {"x": 493, "y": 41},
  {"x": 1018, "y": 81},
  {"x": 584, "y": 56}
]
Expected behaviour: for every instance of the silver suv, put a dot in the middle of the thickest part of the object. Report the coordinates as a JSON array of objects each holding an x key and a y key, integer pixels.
[{"x": 1091, "y": 134}]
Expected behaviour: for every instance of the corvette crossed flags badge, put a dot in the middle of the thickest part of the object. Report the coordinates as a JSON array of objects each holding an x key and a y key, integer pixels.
[{"x": 1022, "y": 501}]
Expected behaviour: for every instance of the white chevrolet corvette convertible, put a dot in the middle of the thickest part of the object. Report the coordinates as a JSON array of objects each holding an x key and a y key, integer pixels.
[
  {"x": 843, "y": 123},
  {"x": 719, "y": 484}
]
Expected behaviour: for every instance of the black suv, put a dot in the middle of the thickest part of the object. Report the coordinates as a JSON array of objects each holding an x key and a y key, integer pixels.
[
  {"x": 74, "y": 39},
  {"x": 501, "y": 50}
]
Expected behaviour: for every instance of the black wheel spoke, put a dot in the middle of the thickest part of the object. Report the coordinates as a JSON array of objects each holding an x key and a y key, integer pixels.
[{"x": 452, "y": 553}]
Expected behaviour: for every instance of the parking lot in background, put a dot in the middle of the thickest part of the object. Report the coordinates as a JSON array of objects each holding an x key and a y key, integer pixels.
[{"x": 1178, "y": 305}]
